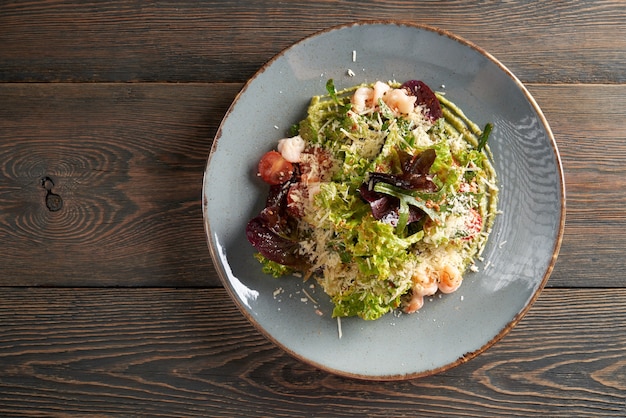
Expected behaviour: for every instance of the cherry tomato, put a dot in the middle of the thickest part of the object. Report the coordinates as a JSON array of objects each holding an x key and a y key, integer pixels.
[{"x": 274, "y": 169}]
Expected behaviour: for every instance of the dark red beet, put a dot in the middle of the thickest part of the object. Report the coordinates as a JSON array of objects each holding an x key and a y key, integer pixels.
[{"x": 425, "y": 97}]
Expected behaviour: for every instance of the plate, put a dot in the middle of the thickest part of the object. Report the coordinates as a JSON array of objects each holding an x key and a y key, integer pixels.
[{"x": 449, "y": 329}]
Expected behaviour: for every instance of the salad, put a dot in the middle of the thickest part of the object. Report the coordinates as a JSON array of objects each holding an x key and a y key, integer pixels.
[{"x": 384, "y": 194}]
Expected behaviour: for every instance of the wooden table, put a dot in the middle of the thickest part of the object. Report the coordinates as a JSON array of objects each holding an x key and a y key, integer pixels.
[{"x": 109, "y": 302}]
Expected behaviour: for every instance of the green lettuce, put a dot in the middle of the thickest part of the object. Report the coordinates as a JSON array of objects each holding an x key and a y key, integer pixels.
[{"x": 365, "y": 305}]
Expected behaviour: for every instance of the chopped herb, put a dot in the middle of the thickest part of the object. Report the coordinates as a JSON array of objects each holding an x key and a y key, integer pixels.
[
  {"x": 482, "y": 140},
  {"x": 332, "y": 91}
]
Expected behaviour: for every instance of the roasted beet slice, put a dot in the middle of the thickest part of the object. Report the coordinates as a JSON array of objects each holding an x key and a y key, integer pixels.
[{"x": 425, "y": 97}]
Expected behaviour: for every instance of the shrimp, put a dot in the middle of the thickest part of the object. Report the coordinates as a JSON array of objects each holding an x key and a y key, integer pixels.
[
  {"x": 380, "y": 89},
  {"x": 447, "y": 279},
  {"x": 367, "y": 97},
  {"x": 424, "y": 284},
  {"x": 361, "y": 97},
  {"x": 415, "y": 304},
  {"x": 291, "y": 148},
  {"x": 450, "y": 279},
  {"x": 399, "y": 101}
]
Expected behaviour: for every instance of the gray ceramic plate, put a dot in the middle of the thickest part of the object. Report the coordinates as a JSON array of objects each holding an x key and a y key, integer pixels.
[{"x": 519, "y": 256}]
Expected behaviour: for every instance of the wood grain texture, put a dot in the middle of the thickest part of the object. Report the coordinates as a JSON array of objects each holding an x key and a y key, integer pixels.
[
  {"x": 191, "y": 353},
  {"x": 109, "y": 302},
  {"x": 128, "y": 160},
  {"x": 591, "y": 137},
  {"x": 184, "y": 41}
]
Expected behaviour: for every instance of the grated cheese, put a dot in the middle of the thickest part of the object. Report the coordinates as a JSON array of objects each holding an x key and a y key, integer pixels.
[
  {"x": 382, "y": 120},
  {"x": 339, "y": 332}
]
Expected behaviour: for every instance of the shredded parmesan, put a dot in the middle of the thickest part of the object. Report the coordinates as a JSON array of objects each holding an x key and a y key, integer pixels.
[
  {"x": 339, "y": 327},
  {"x": 309, "y": 296},
  {"x": 368, "y": 129}
]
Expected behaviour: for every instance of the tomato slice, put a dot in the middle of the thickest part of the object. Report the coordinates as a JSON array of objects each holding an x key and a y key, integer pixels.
[{"x": 274, "y": 169}]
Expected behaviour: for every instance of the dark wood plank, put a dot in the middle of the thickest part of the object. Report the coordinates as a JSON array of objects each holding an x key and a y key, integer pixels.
[
  {"x": 582, "y": 41},
  {"x": 191, "y": 353},
  {"x": 127, "y": 163},
  {"x": 128, "y": 159},
  {"x": 588, "y": 125}
]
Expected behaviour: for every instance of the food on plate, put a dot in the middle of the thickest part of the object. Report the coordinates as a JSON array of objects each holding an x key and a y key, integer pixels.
[{"x": 384, "y": 194}]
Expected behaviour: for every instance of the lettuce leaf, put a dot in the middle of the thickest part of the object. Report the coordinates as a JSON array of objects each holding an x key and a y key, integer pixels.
[
  {"x": 271, "y": 267},
  {"x": 365, "y": 305}
]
